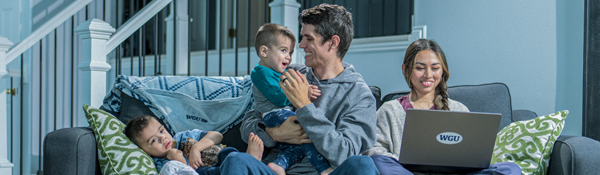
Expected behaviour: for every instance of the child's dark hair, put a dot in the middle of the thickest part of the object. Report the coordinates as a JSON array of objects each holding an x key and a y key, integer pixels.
[
  {"x": 268, "y": 33},
  {"x": 136, "y": 125}
]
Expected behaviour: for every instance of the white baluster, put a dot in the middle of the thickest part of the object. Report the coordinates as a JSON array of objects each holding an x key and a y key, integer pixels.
[
  {"x": 285, "y": 13},
  {"x": 181, "y": 49},
  {"x": 94, "y": 34},
  {"x": 5, "y": 165}
]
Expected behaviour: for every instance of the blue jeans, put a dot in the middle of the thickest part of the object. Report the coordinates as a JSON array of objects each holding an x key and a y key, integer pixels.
[
  {"x": 356, "y": 165},
  {"x": 388, "y": 165},
  {"x": 220, "y": 159},
  {"x": 294, "y": 153},
  {"x": 291, "y": 154},
  {"x": 244, "y": 164}
]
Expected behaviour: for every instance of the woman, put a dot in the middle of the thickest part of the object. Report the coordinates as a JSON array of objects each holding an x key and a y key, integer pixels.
[{"x": 426, "y": 72}]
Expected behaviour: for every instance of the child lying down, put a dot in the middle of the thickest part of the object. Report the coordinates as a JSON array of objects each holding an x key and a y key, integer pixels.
[{"x": 188, "y": 152}]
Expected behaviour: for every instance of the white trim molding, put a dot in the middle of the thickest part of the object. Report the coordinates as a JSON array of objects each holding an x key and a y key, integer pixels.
[
  {"x": 4, "y": 45},
  {"x": 387, "y": 43},
  {"x": 418, "y": 32},
  {"x": 5, "y": 165}
]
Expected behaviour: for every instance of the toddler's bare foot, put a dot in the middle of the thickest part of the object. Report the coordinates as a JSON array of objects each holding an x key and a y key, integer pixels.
[
  {"x": 255, "y": 146},
  {"x": 327, "y": 171},
  {"x": 276, "y": 168}
]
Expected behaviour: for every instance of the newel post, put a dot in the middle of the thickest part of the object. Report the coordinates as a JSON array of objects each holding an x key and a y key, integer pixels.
[
  {"x": 5, "y": 165},
  {"x": 94, "y": 33},
  {"x": 285, "y": 13}
]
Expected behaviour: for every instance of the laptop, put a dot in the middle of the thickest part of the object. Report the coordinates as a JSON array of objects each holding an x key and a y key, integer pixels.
[{"x": 448, "y": 142}]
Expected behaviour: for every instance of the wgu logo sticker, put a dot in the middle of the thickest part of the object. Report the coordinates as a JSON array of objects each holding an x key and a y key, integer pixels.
[{"x": 449, "y": 138}]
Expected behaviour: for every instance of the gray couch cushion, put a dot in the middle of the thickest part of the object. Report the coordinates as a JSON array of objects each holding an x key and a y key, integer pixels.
[
  {"x": 71, "y": 151},
  {"x": 377, "y": 94},
  {"x": 494, "y": 98},
  {"x": 491, "y": 98}
]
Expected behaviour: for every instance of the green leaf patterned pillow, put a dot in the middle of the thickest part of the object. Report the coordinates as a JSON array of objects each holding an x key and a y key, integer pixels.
[
  {"x": 529, "y": 143},
  {"x": 116, "y": 153}
]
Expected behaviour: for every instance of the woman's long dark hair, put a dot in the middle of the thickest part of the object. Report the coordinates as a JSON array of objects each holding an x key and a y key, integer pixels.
[{"x": 441, "y": 91}]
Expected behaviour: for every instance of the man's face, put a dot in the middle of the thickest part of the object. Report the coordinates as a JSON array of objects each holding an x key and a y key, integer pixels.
[
  {"x": 316, "y": 52},
  {"x": 155, "y": 140}
]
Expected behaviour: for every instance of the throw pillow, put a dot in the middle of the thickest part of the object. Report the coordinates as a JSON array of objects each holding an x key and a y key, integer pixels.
[
  {"x": 529, "y": 143},
  {"x": 116, "y": 153}
]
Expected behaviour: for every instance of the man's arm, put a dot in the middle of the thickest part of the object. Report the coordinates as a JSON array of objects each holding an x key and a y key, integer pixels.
[
  {"x": 354, "y": 131},
  {"x": 287, "y": 132},
  {"x": 250, "y": 124}
]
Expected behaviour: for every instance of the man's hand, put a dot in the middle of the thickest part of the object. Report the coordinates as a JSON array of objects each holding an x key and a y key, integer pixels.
[
  {"x": 295, "y": 87},
  {"x": 175, "y": 154},
  {"x": 289, "y": 132},
  {"x": 195, "y": 159},
  {"x": 313, "y": 92}
]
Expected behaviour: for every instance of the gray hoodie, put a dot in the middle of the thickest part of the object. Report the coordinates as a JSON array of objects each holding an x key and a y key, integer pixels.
[{"x": 341, "y": 122}]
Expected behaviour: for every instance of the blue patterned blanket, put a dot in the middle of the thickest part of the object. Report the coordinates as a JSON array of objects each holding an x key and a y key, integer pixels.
[{"x": 186, "y": 102}]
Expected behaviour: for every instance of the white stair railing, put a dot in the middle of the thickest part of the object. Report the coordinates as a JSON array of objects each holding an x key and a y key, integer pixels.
[
  {"x": 133, "y": 24},
  {"x": 5, "y": 165},
  {"x": 97, "y": 42},
  {"x": 44, "y": 30},
  {"x": 8, "y": 54}
]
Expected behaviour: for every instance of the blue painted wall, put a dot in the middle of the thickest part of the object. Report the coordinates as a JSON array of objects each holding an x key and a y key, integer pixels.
[
  {"x": 535, "y": 47},
  {"x": 569, "y": 78}
]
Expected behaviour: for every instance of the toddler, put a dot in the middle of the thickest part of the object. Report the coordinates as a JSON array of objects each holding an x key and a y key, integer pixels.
[{"x": 275, "y": 45}]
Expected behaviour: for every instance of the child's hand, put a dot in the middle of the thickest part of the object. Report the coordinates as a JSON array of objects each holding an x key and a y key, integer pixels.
[
  {"x": 195, "y": 159},
  {"x": 175, "y": 154},
  {"x": 313, "y": 92}
]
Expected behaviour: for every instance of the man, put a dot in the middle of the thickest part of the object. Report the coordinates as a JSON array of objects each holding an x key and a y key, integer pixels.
[{"x": 341, "y": 123}]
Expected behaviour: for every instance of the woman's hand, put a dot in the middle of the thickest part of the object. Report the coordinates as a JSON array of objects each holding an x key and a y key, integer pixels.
[
  {"x": 175, "y": 154},
  {"x": 295, "y": 87},
  {"x": 289, "y": 132},
  {"x": 195, "y": 159}
]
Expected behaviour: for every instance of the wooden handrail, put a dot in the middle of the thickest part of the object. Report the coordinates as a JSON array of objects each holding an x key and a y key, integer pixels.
[{"x": 134, "y": 23}]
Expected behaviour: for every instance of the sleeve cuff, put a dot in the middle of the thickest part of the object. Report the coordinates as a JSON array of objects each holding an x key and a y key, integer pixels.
[{"x": 310, "y": 108}]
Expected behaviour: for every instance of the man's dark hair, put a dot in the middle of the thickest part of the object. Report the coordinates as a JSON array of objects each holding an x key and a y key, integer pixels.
[
  {"x": 330, "y": 20},
  {"x": 267, "y": 35},
  {"x": 136, "y": 125}
]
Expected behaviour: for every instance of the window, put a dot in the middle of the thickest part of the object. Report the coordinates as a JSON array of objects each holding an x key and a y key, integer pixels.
[{"x": 374, "y": 18}]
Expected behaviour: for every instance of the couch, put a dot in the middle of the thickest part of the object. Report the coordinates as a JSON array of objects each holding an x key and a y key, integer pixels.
[{"x": 73, "y": 150}]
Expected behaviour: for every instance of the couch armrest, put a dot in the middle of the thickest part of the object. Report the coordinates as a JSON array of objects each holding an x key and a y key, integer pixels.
[
  {"x": 71, "y": 151},
  {"x": 575, "y": 155}
]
